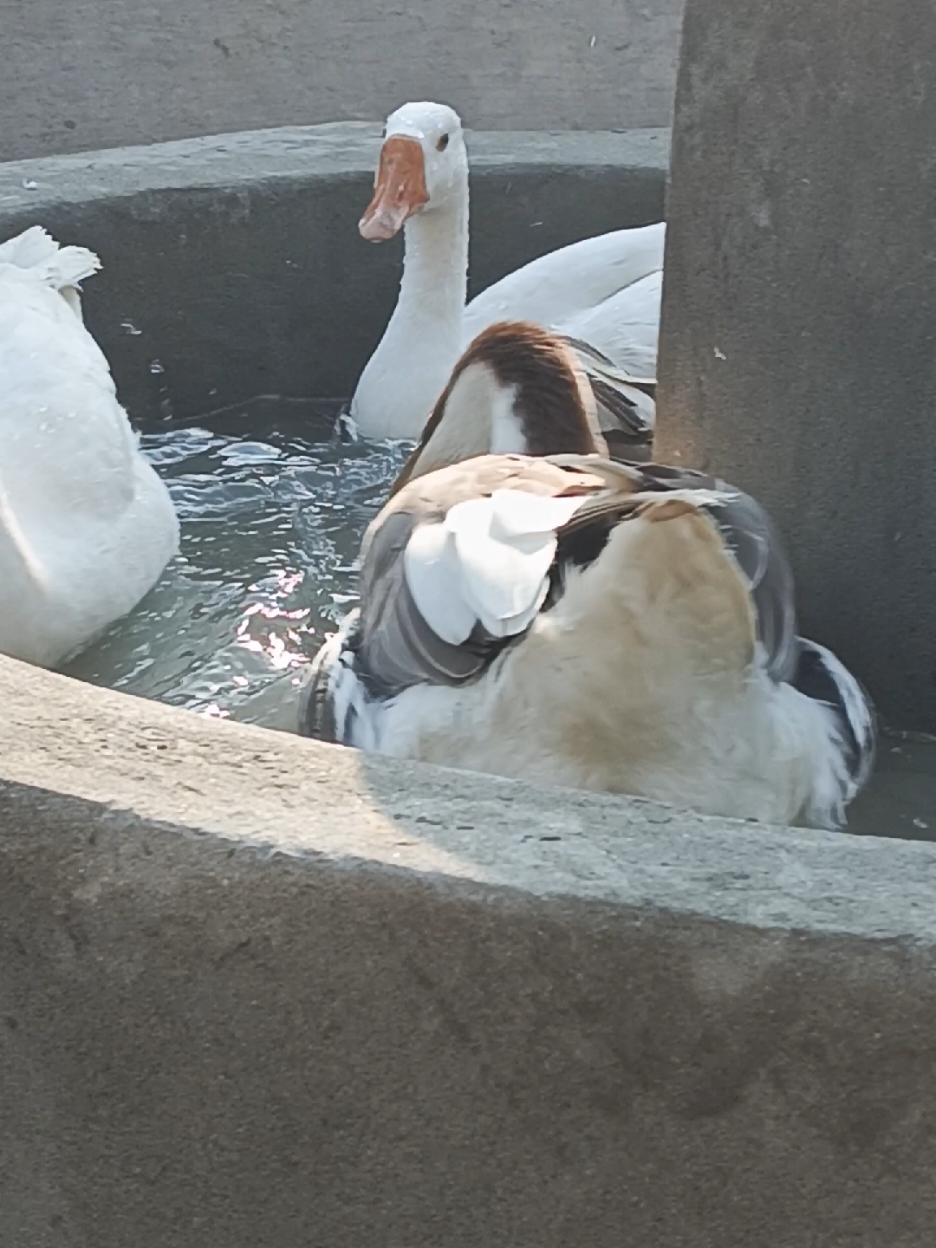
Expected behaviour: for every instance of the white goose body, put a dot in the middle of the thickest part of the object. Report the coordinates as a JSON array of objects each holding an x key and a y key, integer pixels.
[
  {"x": 86, "y": 525},
  {"x": 603, "y": 291},
  {"x": 613, "y": 627}
]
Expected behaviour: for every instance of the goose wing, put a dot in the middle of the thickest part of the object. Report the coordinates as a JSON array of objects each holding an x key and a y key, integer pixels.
[
  {"x": 750, "y": 535},
  {"x": 459, "y": 562}
]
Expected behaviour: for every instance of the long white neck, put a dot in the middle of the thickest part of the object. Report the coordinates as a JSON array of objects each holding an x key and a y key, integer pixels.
[
  {"x": 435, "y": 267},
  {"x": 423, "y": 341}
]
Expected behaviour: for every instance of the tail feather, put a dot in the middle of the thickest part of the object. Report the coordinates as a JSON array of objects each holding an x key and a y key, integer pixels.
[
  {"x": 37, "y": 252},
  {"x": 627, "y": 405},
  {"x": 34, "y": 246},
  {"x": 824, "y": 678},
  {"x": 623, "y": 410},
  {"x": 592, "y": 358}
]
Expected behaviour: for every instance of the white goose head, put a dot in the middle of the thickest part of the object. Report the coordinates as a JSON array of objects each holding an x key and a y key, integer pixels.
[
  {"x": 423, "y": 167},
  {"x": 517, "y": 389}
]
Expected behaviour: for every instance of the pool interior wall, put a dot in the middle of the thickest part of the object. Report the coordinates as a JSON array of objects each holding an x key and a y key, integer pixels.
[
  {"x": 239, "y": 262},
  {"x": 256, "y": 990}
]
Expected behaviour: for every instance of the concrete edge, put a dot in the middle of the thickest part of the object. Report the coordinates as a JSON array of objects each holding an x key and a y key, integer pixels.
[
  {"x": 282, "y": 794},
  {"x": 324, "y": 151}
]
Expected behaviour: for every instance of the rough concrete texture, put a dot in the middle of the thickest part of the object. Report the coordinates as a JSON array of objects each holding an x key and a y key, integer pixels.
[
  {"x": 238, "y": 257},
  {"x": 797, "y": 343},
  {"x": 100, "y": 73},
  {"x": 265, "y": 993}
]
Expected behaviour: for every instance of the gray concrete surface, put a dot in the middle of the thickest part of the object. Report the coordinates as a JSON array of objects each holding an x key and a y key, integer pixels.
[
  {"x": 102, "y": 73},
  {"x": 265, "y": 993},
  {"x": 238, "y": 258},
  {"x": 798, "y": 334}
]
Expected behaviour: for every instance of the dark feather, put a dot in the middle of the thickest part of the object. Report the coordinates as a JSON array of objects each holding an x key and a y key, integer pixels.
[
  {"x": 820, "y": 676},
  {"x": 629, "y": 421}
]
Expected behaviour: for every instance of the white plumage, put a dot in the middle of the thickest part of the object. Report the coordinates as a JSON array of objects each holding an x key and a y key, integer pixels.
[
  {"x": 86, "y": 526},
  {"x": 486, "y": 563}
]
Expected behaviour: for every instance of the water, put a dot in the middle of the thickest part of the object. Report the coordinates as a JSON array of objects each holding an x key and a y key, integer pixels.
[
  {"x": 272, "y": 509},
  {"x": 900, "y": 800}
]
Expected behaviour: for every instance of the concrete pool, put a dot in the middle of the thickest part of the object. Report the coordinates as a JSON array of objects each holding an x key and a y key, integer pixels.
[{"x": 256, "y": 990}]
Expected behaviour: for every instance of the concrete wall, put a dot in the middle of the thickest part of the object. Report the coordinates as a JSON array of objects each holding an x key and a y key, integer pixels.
[
  {"x": 81, "y": 74},
  {"x": 263, "y": 993},
  {"x": 797, "y": 348}
]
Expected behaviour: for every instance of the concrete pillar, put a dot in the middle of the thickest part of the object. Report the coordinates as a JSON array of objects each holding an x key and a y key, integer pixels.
[{"x": 797, "y": 351}]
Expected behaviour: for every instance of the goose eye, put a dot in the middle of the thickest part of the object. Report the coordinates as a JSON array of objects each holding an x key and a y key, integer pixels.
[{"x": 442, "y": 143}]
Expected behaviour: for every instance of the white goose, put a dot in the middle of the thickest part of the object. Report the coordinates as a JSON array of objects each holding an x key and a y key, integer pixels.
[
  {"x": 86, "y": 526},
  {"x": 571, "y": 620},
  {"x": 603, "y": 292}
]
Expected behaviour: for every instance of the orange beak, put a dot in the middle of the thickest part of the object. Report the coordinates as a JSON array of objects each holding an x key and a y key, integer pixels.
[{"x": 399, "y": 189}]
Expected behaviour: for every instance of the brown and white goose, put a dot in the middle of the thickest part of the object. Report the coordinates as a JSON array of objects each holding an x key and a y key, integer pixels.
[
  {"x": 517, "y": 389},
  {"x": 566, "y": 619}
]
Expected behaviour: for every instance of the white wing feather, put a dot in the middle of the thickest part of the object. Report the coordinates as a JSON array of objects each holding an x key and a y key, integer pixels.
[
  {"x": 430, "y": 565},
  {"x": 37, "y": 253},
  {"x": 487, "y": 563},
  {"x": 556, "y": 288}
]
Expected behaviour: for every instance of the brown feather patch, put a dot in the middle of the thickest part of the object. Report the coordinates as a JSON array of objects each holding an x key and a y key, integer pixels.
[{"x": 554, "y": 403}]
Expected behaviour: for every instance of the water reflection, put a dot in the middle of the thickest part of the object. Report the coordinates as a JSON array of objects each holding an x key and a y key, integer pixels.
[{"x": 272, "y": 509}]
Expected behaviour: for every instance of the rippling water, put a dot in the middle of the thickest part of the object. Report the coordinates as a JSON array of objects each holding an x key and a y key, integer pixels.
[{"x": 272, "y": 508}]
